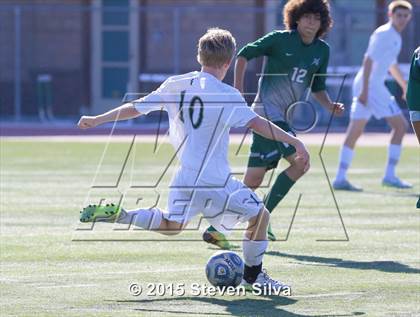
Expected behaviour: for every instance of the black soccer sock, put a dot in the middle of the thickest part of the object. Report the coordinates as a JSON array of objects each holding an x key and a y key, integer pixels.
[
  {"x": 251, "y": 273},
  {"x": 280, "y": 188}
]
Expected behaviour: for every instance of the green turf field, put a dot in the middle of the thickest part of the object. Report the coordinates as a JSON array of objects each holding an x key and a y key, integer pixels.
[{"x": 47, "y": 270}]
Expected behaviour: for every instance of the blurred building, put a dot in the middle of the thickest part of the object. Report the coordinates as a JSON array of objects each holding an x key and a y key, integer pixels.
[{"x": 95, "y": 51}]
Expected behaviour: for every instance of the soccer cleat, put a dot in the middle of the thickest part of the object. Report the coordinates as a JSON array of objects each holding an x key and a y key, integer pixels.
[
  {"x": 267, "y": 285},
  {"x": 106, "y": 213},
  {"x": 217, "y": 238},
  {"x": 395, "y": 182},
  {"x": 346, "y": 185},
  {"x": 270, "y": 233}
]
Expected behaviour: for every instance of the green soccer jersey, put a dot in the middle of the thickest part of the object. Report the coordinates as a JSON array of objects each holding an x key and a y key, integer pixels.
[
  {"x": 291, "y": 68},
  {"x": 413, "y": 89}
]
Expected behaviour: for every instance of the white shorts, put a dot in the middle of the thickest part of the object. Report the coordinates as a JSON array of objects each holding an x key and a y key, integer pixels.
[
  {"x": 379, "y": 111},
  {"x": 414, "y": 116},
  {"x": 381, "y": 104},
  {"x": 222, "y": 206}
]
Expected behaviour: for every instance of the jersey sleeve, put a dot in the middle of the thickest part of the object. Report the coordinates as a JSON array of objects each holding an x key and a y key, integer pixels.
[
  {"x": 413, "y": 86},
  {"x": 261, "y": 47},
  {"x": 378, "y": 43},
  {"x": 239, "y": 113},
  {"x": 153, "y": 101},
  {"x": 320, "y": 76},
  {"x": 415, "y": 66}
]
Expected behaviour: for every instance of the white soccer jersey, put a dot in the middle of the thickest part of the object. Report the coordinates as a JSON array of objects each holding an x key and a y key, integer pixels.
[
  {"x": 384, "y": 47},
  {"x": 201, "y": 110}
]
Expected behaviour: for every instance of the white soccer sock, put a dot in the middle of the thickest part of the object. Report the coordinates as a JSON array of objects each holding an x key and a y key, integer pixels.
[
  {"x": 394, "y": 153},
  {"x": 149, "y": 219},
  {"x": 346, "y": 156},
  {"x": 253, "y": 251}
]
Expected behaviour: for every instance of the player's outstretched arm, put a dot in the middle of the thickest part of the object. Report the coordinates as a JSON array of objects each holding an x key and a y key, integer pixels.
[
  {"x": 367, "y": 70},
  {"x": 271, "y": 131},
  {"x": 240, "y": 68},
  {"x": 124, "y": 112},
  {"x": 324, "y": 99},
  {"x": 399, "y": 78}
]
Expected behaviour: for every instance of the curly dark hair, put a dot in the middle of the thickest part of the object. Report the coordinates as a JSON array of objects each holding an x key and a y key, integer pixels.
[{"x": 295, "y": 9}]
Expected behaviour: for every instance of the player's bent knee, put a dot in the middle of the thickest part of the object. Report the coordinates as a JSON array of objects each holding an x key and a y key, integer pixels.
[
  {"x": 300, "y": 166},
  {"x": 171, "y": 228},
  {"x": 399, "y": 125},
  {"x": 262, "y": 218},
  {"x": 258, "y": 225},
  {"x": 253, "y": 182},
  {"x": 171, "y": 231}
]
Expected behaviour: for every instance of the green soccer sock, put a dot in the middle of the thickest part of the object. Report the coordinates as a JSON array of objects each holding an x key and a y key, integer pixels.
[
  {"x": 280, "y": 188},
  {"x": 211, "y": 229}
]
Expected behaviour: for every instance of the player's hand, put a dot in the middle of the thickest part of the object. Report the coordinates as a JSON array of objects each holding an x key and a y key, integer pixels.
[
  {"x": 338, "y": 108},
  {"x": 87, "y": 122},
  {"x": 404, "y": 94},
  {"x": 363, "y": 98},
  {"x": 302, "y": 154}
]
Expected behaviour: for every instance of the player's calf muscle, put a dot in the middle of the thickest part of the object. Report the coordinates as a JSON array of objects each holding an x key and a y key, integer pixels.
[
  {"x": 399, "y": 127},
  {"x": 416, "y": 127},
  {"x": 354, "y": 132},
  {"x": 171, "y": 228},
  {"x": 257, "y": 226}
]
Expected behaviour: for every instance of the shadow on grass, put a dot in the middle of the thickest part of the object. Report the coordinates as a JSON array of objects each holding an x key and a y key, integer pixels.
[
  {"x": 249, "y": 307},
  {"x": 388, "y": 192},
  {"x": 234, "y": 247},
  {"x": 383, "y": 266}
]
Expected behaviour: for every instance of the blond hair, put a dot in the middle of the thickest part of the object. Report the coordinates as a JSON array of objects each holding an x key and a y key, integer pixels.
[
  {"x": 399, "y": 4},
  {"x": 216, "y": 48}
]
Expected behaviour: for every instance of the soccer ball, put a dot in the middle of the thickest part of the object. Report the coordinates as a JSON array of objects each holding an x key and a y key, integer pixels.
[{"x": 225, "y": 268}]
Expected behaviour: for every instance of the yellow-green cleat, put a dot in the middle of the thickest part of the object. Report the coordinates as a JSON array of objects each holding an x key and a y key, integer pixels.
[
  {"x": 270, "y": 233},
  {"x": 217, "y": 238},
  {"x": 105, "y": 213}
]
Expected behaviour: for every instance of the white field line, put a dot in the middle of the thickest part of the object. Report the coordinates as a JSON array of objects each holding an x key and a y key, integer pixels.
[
  {"x": 328, "y": 295},
  {"x": 22, "y": 278},
  {"x": 298, "y": 296},
  {"x": 68, "y": 285},
  {"x": 8, "y": 280},
  {"x": 367, "y": 139}
]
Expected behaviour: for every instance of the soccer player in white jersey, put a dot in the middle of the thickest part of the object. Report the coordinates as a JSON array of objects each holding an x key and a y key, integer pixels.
[
  {"x": 201, "y": 110},
  {"x": 371, "y": 97}
]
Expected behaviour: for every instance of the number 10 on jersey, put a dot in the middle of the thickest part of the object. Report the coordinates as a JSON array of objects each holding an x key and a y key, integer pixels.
[{"x": 195, "y": 100}]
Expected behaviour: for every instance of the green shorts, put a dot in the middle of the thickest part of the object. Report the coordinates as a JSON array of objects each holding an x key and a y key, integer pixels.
[{"x": 267, "y": 153}]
